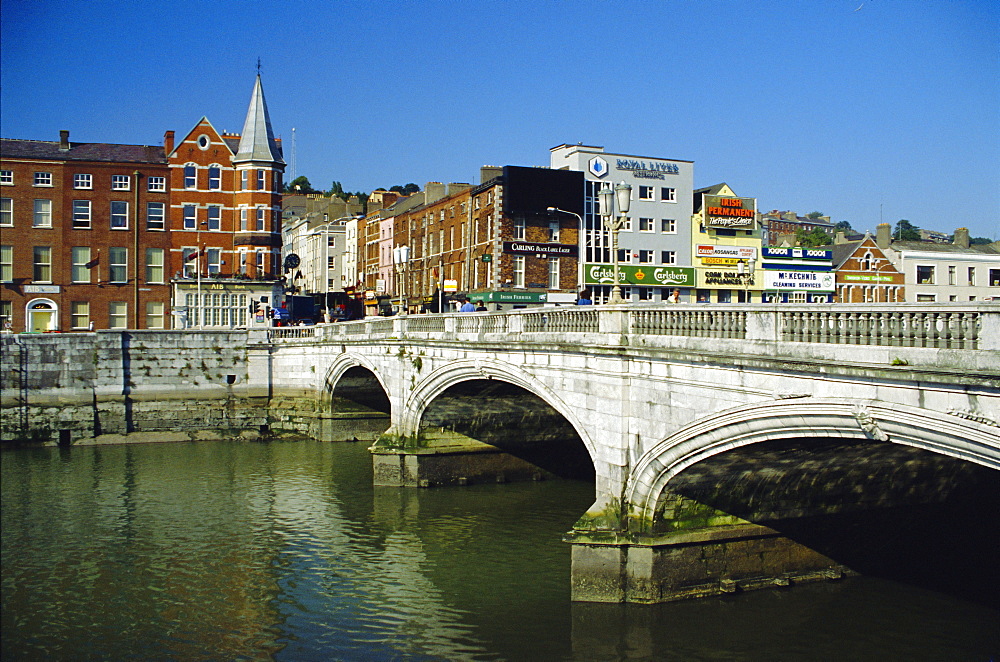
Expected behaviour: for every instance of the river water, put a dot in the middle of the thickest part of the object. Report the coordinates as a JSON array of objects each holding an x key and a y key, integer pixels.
[{"x": 285, "y": 551}]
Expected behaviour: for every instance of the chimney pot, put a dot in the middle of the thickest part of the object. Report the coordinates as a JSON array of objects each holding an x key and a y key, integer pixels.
[
  {"x": 962, "y": 237},
  {"x": 883, "y": 235},
  {"x": 168, "y": 142},
  {"x": 64, "y": 140}
]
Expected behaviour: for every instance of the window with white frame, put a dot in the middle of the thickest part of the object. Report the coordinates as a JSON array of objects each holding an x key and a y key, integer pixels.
[
  {"x": 6, "y": 263},
  {"x": 625, "y": 255},
  {"x": 120, "y": 182},
  {"x": 43, "y": 179},
  {"x": 243, "y": 219},
  {"x": 214, "y": 218},
  {"x": 668, "y": 226},
  {"x": 117, "y": 315},
  {"x": 261, "y": 180},
  {"x": 261, "y": 219},
  {"x": 156, "y": 184},
  {"x": 154, "y": 265},
  {"x": 81, "y": 214},
  {"x": 80, "y": 268},
  {"x": 260, "y": 262},
  {"x": 972, "y": 277},
  {"x": 6, "y": 313},
  {"x": 6, "y": 212},
  {"x": 119, "y": 215},
  {"x": 83, "y": 181},
  {"x": 925, "y": 275},
  {"x": 668, "y": 257},
  {"x": 214, "y": 259},
  {"x": 190, "y": 176},
  {"x": 79, "y": 314},
  {"x": 645, "y": 256},
  {"x": 644, "y": 293},
  {"x": 926, "y": 298},
  {"x": 42, "y": 217},
  {"x": 118, "y": 264},
  {"x": 994, "y": 277},
  {"x": 627, "y": 224},
  {"x": 553, "y": 273},
  {"x": 645, "y": 192},
  {"x": 554, "y": 231},
  {"x": 668, "y": 194},
  {"x": 41, "y": 264},
  {"x": 154, "y": 315},
  {"x": 646, "y": 225},
  {"x": 189, "y": 258},
  {"x": 6, "y": 177},
  {"x": 156, "y": 216},
  {"x": 243, "y": 180},
  {"x": 190, "y": 217},
  {"x": 214, "y": 178},
  {"x": 519, "y": 271}
]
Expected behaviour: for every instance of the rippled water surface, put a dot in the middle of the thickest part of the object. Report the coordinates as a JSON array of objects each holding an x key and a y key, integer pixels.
[{"x": 285, "y": 551}]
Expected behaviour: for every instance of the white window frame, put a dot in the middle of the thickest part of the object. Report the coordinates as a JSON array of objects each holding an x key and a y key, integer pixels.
[
  {"x": 243, "y": 219},
  {"x": 80, "y": 258},
  {"x": 6, "y": 263},
  {"x": 553, "y": 273},
  {"x": 82, "y": 214},
  {"x": 41, "y": 264},
  {"x": 190, "y": 219},
  {"x": 668, "y": 257},
  {"x": 645, "y": 256},
  {"x": 79, "y": 315},
  {"x": 261, "y": 222},
  {"x": 43, "y": 179},
  {"x": 554, "y": 231},
  {"x": 214, "y": 182},
  {"x": 119, "y": 215},
  {"x": 155, "y": 317},
  {"x": 261, "y": 180},
  {"x": 646, "y": 192},
  {"x": 117, "y": 315},
  {"x": 6, "y": 177},
  {"x": 83, "y": 181},
  {"x": 155, "y": 267},
  {"x": 156, "y": 216},
  {"x": 214, "y": 222},
  {"x": 117, "y": 264},
  {"x": 668, "y": 194},
  {"x": 6, "y": 212},
  {"x": 668, "y": 225},
  {"x": 156, "y": 184},
  {"x": 121, "y": 183},
  {"x": 520, "y": 228},
  {"x": 213, "y": 257},
  {"x": 646, "y": 224},
  {"x": 190, "y": 181},
  {"x": 41, "y": 216},
  {"x": 519, "y": 264},
  {"x": 243, "y": 180},
  {"x": 933, "y": 274}
]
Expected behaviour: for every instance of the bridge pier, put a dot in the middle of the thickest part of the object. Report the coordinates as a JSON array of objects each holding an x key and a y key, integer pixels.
[{"x": 611, "y": 567}]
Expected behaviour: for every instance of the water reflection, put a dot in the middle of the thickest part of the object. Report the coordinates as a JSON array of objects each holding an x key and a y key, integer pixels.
[{"x": 285, "y": 551}]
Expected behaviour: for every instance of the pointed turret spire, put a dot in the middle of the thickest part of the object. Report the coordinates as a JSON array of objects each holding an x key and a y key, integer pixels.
[{"x": 257, "y": 142}]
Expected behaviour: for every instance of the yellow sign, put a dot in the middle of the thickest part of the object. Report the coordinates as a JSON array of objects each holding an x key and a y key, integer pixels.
[{"x": 719, "y": 260}]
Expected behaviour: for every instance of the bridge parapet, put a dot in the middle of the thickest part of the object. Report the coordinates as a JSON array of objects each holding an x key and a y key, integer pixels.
[{"x": 935, "y": 335}]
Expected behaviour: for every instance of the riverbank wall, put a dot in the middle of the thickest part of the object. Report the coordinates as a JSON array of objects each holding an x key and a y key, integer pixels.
[{"x": 70, "y": 388}]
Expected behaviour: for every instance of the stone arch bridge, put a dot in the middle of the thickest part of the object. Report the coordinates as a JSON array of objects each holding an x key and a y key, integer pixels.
[{"x": 712, "y": 432}]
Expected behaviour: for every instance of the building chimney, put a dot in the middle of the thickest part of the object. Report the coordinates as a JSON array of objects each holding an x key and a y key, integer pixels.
[
  {"x": 962, "y": 237},
  {"x": 883, "y": 235},
  {"x": 64, "y": 141},
  {"x": 168, "y": 142},
  {"x": 486, "y": 173},
  {"x": 840, "y": 237},
  {"x": 433, "y": 192}
]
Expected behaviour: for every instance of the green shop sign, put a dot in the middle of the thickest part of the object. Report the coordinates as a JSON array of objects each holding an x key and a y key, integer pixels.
[
  {"x": 509, "y": 297},
  {"x": 630, "y": 274}
]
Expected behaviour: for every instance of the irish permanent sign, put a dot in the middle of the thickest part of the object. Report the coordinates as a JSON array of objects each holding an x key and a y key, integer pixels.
[{"x": 729, "y": 212}]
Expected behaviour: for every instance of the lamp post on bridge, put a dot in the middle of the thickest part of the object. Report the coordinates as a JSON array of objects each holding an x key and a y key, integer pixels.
[
  {"x": 623, "y": 193},
  {"x": 401, "y": 258},
  {"x": 581, "y": 246}
]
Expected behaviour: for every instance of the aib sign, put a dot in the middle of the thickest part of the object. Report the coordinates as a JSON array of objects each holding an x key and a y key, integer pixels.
[{"x": 597, "y": 166}]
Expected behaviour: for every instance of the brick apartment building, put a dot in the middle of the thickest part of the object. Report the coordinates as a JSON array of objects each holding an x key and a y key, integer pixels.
[{"x": 107, "y": 236}]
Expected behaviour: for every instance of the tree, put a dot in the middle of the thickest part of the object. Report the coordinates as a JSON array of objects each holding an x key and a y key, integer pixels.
[
  {"x": 409, "y": 189},
  {"x": 843, "y": 225},
  {"x": 300, "y": 185},
  {"x": 976, "y": 241},
  {"x": 815, "y": 214},
  {"x": 906, "y": 231},
  {"x": 812, "y": 238}
]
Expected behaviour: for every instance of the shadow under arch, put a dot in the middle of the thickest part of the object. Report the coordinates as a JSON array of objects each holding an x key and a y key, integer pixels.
[
  {"x": 493, "y": 404},
  {"x": 907, "y": 505},
  {"x": 353, "y": 379}
]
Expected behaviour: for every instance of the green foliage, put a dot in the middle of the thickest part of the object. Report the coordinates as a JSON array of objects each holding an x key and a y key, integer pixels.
[
  {"x": 409, "y": 189},
  {"x": 815, "y": 214},
  {"x": 976, "y": 241},
  {"x": 906, "y": 231},
  {"x": 812, "y": 238},
  {"x": 300, "y": 185},
  {"x": 843, "y": 225}
]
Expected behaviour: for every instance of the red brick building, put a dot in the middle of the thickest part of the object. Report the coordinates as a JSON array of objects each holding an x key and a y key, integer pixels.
[
  {"x": 83, "y": 236},
  {"x": 97, "y": 235}
]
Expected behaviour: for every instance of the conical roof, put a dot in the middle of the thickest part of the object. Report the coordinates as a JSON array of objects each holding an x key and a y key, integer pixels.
[{"x": 257, "y": 141}]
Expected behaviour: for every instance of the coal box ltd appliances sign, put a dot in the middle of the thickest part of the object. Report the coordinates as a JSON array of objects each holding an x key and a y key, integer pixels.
[
  {"x": 729, "y": 212},
  {"x": 628, "y": 274}
]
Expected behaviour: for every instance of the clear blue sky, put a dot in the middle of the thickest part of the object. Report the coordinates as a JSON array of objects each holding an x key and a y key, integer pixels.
[{"x": 891, "y": 110}]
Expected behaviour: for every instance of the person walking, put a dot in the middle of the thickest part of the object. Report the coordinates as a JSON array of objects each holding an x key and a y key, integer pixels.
[
  {"x": 467, "y": 306},
  {"x": 584, "y": 298}
]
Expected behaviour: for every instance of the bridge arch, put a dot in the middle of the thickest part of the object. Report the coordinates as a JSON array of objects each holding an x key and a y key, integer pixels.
[
  {"x": 341, "y": 366},
  {"x": 946, "y": 434},
  {"x": 457, "y": 372}
]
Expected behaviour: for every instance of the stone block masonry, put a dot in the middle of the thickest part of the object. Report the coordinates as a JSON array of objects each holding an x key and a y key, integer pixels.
[{"x": 70, "y": 387}]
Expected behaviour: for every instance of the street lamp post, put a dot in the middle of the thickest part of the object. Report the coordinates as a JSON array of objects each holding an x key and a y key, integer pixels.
[
  {"x": 401, "y": 258},
  {"x": 745, "y": 269},
  {"x": 580, "y": 242},
  {"x": 623, "y": 195}
]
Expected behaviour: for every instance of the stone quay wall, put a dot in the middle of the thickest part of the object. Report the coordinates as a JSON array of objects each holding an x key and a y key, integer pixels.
[{"x": 71, "y": 387}]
